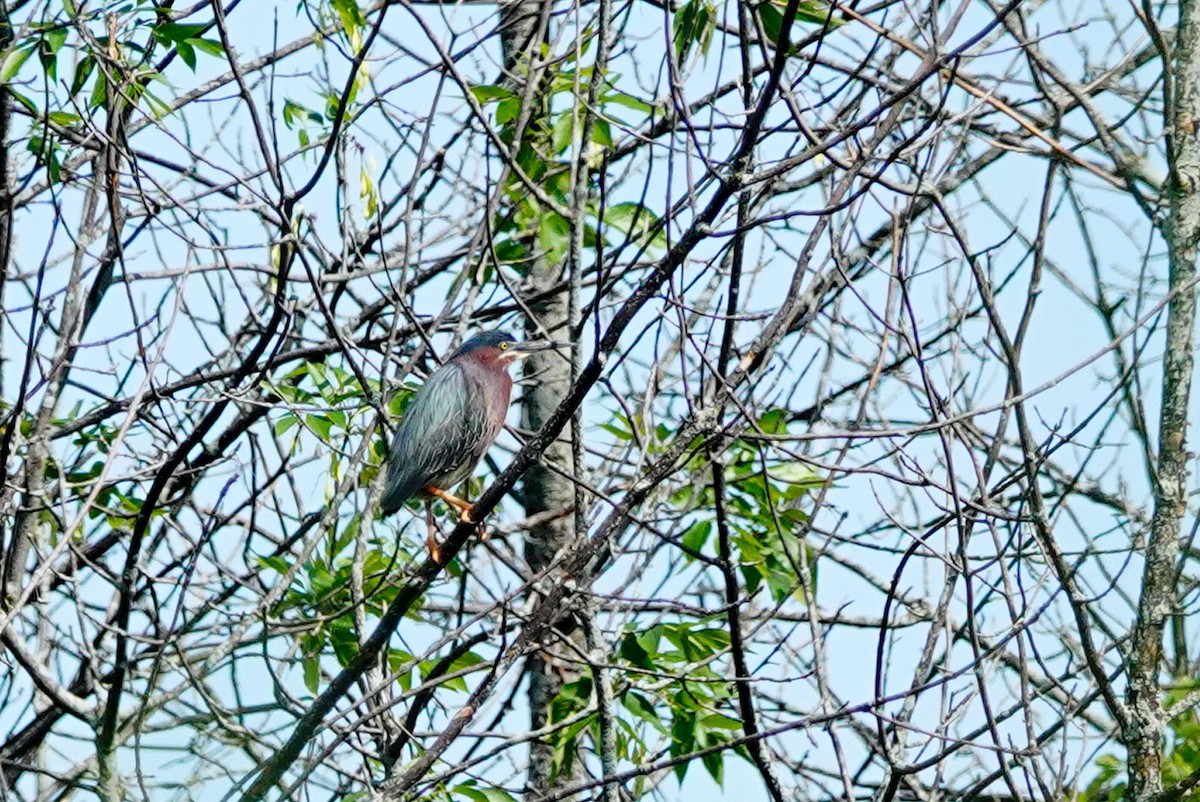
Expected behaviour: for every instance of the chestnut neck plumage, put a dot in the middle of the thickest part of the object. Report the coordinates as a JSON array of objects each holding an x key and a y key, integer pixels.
[{"x": 490, "y": 373}]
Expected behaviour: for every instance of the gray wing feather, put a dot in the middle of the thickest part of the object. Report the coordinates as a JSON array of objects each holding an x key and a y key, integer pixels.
[{"x": 441, "y": 433}]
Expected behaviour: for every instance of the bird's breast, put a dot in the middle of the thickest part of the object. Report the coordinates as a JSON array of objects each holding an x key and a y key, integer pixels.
[{"x": 495, "y": 391}]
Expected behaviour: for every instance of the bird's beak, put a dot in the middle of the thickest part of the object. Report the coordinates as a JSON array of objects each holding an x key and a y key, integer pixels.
[{"x": 530, "y": 347}]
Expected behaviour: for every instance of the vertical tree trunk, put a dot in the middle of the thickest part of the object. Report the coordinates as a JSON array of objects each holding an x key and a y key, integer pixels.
[
  {"x": 545, "y": 489},
  {"x": 6, "y": 201},
  {"x": 547, "y": 486},
  {"x": 521, "y": 24},
  {"x": 6, "y": 187},
  {"x": 1158, "y": 600}
]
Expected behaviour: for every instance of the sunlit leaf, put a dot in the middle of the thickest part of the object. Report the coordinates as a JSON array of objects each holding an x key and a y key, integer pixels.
[
  {"x": 11, "y": 65},
  {"x": 637, "y": 222}
]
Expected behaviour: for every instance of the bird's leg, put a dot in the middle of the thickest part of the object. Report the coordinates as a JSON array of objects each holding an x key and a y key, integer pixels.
[
  {"x": 464, "y": 507},
  {"x": 435, "y": 550}
]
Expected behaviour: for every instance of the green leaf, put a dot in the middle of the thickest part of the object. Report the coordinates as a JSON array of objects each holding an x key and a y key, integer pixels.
[
  {"x": 468, "y": 660},
  {"x": 46, "y": 151},
  {"x": 683, "y": 739},
  {"x": 350, "y": 14},
  {"x": 693, "y": 26},
  {"x": 343, "y": 639},
  {"x": 511, "y": 251},
  {"x": 817, "y": 13},
  {"x": 471, "y": 791},
  {"x": 82, "y": 72},
  {"x": 173, "y": 32},
  {"x": 320, "y": 579},
  {"x": 508, "y": 110},
  {"x": 720, "y": 721},
  {"x": 533, "y": 162},
  {"x": 51, "y": 43},
  {"x": 572, "y": 697},
  {"x": 29, "y": 105},
  {"x": 774, "y": 421},
  {"x": 321, "y": 425},
  {"x": 473, "y": 794},
  {"x": 99, "y": 94},
  {"x": 617, "y": 431},
  {"x": 209, "y": 46},
  {"x": 649, "y": 639},
  {"x": 796, "y": 473},
  {"x": 563, "y": 131},
  {"x": 64, "y": 118},
  {"x": 55, "y": 39},
  {"x": 187, "y": 53},
  {"x": 293, "y": 112},
  {"x": 277, "y": 564},
  {"x": 772, "y": 22},
  {"x": 643, "y": 708},
  {"x": 697, "y": 535},
  {"x": 49, "y": 60},
  {"x": 602, "y": 133},
  {"x": 628, "y": 101},
  {"x": 566, "y": 744},
  {"x": 637, "y": 222},
  {"x": 485, "y": 93},
  {"x": 695, "y": 642},
  {"x": 770, "y": 14},
  {"x": 715, "y": 763},
  {"x": 312, "y": 673},
  {"x": 12, "y": 62},
  {"x": 157, "y": 106},
  {"x": 398, "y": 659},
  {"x": 633, "y": 651},
  {"x": 553, "y": 235}
]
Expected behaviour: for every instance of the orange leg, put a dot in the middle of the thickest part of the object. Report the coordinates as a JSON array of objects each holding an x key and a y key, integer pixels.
[
  {"x": 435, "y": 550},
  {"x": 464, "y": 507}
]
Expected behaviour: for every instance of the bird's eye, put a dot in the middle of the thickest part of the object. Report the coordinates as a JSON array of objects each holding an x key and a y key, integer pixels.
[{"x": 503, "y": 346}]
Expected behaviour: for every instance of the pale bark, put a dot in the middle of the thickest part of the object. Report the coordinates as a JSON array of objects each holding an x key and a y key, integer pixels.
[
  {"x": 6, "y": 206},
  {"x": 1158, "y": 600},
  {"x": 547, "y": 485}
]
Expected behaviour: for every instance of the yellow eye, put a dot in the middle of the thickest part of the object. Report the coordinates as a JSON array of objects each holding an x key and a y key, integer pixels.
[{"x": 503, "y": 346}]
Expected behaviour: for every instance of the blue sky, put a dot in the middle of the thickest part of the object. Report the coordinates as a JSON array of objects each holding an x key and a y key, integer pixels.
[{"x": 1064, "y": 338}]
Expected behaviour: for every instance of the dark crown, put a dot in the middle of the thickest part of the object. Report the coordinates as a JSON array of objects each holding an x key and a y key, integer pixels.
[{"x": 485, "y": 339}]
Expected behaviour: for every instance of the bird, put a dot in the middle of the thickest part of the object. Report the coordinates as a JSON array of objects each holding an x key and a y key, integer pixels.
[{"x": 450, "y": 423}]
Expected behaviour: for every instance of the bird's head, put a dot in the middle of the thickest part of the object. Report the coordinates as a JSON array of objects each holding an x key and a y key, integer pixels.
[{"x": 501, "y": 348}]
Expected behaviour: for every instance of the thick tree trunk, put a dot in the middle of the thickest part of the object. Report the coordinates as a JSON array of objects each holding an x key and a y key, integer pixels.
[
  {"x": 547, "y": 486},
  {"x": 6, "y": 201},
  {"x": 1158, "y": 600},
  {"x": 6, "y": 186},
  {"x": 521, "y": 24}
]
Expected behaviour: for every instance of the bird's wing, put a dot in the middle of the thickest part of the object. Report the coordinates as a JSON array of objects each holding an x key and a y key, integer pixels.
[{"x": 441, "y": 429}]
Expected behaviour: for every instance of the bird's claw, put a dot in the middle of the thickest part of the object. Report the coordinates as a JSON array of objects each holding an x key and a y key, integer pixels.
[
  {"x": 435, "y": 549},
  {"x": 466, "y": 516}
]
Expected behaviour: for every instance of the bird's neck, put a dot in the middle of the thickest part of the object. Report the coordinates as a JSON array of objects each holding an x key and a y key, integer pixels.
[{"x": 496, "y": 384}]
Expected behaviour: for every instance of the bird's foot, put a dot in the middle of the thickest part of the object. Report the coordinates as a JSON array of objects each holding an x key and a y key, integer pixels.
[
  {"x": 431, "y": 536},
  {"x": 466, "y": 510},
  {"x": 462, "y": 505},
  {"x": 435, "y": 549},
  {"x": 467, "y": 516}
]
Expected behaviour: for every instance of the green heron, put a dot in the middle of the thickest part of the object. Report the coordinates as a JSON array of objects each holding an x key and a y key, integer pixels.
[{"x": 449, "y": 424}]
